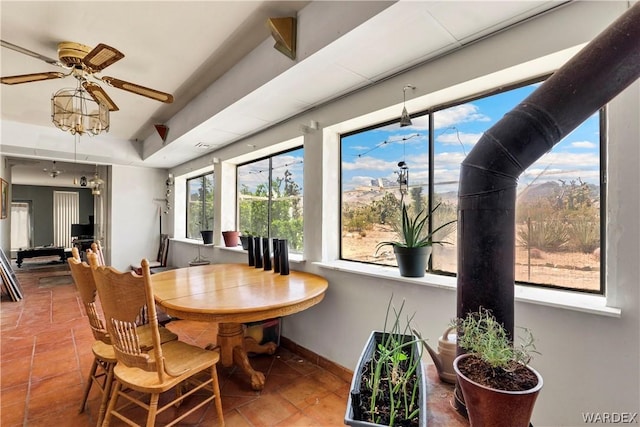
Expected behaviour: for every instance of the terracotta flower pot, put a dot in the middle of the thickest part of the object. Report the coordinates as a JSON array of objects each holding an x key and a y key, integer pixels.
[
  {"x": 488, "y": 407},
  {"x": 231, "y": 238}
]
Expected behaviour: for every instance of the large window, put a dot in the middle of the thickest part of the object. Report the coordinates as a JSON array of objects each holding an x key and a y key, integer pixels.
[
  {"x": 199, "y": 205},
  {"x": 558, "y": 206},
  {"x": 270, "y": 198}
]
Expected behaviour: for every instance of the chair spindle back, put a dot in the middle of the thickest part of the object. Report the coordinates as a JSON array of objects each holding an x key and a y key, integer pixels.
[
  {"x": 124, "y": 297},
  {"x": 83, "y": 278}
]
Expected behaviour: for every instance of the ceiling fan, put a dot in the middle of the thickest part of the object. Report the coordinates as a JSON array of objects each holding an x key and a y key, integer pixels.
[{"x": 83, "y": 63}]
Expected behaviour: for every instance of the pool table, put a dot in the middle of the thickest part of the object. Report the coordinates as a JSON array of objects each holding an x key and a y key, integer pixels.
[{"x": 40, "y": 251}]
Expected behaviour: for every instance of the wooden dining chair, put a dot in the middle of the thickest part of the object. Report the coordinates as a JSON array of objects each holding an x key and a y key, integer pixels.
[
  {"x": 101, "y": 373},
  {"x": 96, "y": 247},
  {"x": 104, "y": 358},
  {"x": 169, "y": 365}
]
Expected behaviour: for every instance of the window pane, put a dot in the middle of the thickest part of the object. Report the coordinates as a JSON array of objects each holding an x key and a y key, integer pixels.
[
  {"x": 270, "y": 198},
  {"x": 200, "y": 200},
  {"x": 253, "y": 185},
  {"x": 558, "y": 205},
  {"x": 208, "y": 201},
  {"x": 286, "y": 203},
  {"x": 370, "y": 189},
  {"x": 456, "y": 130},
  {"x": 558, "y": 214}
]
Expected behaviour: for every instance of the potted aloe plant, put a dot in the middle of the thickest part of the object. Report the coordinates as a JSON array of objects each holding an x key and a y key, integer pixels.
[
  {"x": 498, "y": 385},
  {"x": 413, "y": 249},
  {"x": 389, "y": 386}
]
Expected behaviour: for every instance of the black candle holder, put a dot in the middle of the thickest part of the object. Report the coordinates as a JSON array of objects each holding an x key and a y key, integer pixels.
[
  {"x": 250, "y": 251},
  {"x": 276, "y": 256},
  {"x": 266, "y": 254},
  {"x": 284, "y": 257},
  {"x": 257, "y": 251}
]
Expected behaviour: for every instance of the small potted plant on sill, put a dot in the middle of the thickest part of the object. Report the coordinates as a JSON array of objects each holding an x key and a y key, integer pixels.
[
  {"x": 389, "y": 385},
  {"x": 498, "y": 385},
  {"x": 231, "y": 238},
  {"x": 244, "y": 239},
  {"x": 413, "y": 249}
]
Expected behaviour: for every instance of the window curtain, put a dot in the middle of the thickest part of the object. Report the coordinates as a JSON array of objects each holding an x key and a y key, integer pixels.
[
  {"x": 66, "y": 211},
  {"x": 20, "y": 226}
]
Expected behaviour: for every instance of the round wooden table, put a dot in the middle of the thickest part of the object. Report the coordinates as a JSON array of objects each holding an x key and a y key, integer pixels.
[{"x": 233, "y": 294}]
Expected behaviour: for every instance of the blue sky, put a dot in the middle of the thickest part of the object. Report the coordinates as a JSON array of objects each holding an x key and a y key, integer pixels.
[{"x": 376, "y": 153}]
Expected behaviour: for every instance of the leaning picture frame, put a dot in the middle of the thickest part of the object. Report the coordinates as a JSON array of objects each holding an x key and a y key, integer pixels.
[{"x": 4, "y": 199}]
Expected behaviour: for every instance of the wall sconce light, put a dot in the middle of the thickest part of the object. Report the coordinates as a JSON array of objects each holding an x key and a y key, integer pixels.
[
  {"x": 283, "y": 31},
  {"x": 163, "y": 131},
  {"x": 405, "y": 120}
]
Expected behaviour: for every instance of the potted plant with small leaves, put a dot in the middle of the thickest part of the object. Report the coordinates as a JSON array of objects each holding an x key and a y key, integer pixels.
[
  {"x": 413, "y": 248},
  {"x": 206, "y": 230},
  {"x": 388, "y": 386},
  {"x": 498, "y": 385},
  {"x": 244, "y": 239}
]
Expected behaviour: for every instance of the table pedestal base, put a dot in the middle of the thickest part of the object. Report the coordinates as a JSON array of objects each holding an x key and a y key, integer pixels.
[{"x": 234, "y": 348}]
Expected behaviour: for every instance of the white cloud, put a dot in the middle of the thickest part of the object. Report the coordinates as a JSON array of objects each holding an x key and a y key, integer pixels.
[
  {"x": 369, "y": 163},
  {"x": 459, "y": 114},
  {"x": 583, "y": 144},
  {"x": 360, "y": 181},
  {"x": 566, "y": 161},
  {"x": 449, "y": 159},
  {"x": 455, "y": 138}
]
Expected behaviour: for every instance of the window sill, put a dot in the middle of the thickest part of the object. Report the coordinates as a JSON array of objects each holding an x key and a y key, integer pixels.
[
  {"x": 587, "y": 303},
  {"x": 194, "y": 242}
]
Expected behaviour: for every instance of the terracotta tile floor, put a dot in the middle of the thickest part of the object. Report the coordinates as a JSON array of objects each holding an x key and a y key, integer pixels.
[{"x": 45, "y": 358}]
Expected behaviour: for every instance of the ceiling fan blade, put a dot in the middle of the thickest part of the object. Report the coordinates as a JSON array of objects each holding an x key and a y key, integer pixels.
[
  {"x": 101, "y": 57},
  {"x": 27, "y": 78},
  {"x": 99, "y": 95},
  {"x": 31, "y": 53},
  {"x": 139, "y": 90}
]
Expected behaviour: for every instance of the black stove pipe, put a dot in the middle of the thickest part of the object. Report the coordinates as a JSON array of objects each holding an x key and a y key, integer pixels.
[{"x": 489, "y": 174}]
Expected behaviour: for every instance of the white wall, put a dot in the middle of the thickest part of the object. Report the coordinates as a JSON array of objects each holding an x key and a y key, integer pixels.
[
  {"x": 136, "y": 197},
  {"x": 589, "y": 361}
]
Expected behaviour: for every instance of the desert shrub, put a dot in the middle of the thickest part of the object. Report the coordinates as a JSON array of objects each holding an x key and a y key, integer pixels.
[
  {"x": 551, "y": 235},
  {"x": 585, "y": 234}
]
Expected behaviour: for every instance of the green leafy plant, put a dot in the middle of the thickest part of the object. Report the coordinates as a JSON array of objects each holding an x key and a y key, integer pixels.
[
  {"x": 482, "y": 335},
  {"x": 413, "y": 233},
  {"x": 390, "y": 385}
]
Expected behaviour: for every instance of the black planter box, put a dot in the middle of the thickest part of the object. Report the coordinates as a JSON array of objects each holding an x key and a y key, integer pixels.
[{"x": 365, "y": 356}]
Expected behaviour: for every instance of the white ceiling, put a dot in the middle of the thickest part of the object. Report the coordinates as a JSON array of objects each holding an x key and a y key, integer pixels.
[{"x": 217, "y": 59}]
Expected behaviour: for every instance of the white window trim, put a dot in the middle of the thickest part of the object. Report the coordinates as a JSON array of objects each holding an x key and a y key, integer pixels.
[{"x": 564, "y": 299}]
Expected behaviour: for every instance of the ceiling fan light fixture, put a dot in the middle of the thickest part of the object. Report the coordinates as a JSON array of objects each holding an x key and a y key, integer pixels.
[
  {"x": 96, "y": 183},
  {"x": 75, "y": 111}
]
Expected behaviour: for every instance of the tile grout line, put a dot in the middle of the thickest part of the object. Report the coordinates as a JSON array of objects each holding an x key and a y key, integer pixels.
[{"x": 28, "y": 397}]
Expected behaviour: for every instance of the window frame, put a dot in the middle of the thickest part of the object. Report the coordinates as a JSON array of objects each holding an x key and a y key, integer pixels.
[
  {"x": 268, "y": 157},
  {"x": 602, "y": 123},
  {"x": 187, "y": 203}
]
